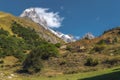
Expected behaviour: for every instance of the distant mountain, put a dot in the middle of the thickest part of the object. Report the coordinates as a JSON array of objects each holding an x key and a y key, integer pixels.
[
  {"x": 34, "y": 15},
  {"x": 89, "y": 36}
]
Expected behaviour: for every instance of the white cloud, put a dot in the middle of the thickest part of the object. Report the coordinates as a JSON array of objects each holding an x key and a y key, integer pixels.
[{"x": 52, "y": 19}]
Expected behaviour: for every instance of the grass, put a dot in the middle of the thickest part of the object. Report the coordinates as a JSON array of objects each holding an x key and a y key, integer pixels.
[
  {"x": 7, "y": 19},
  {"x": 106, "y": 74}
]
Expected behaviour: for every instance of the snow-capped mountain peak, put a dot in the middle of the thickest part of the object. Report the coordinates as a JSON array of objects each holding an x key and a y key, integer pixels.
[
  {"x": 89, "y": 36},
  {"x": 48, "y": 20},
  {"x": 32, "y": 14}
]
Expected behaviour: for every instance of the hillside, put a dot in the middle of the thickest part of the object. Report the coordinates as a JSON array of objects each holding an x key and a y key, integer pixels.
[
  {"x": 110, "y": 38},
  {"x": 7, "y": 19},
  {"x": 26, "y": 48},
  {"x": 39, "y": 16},
  {"x": 90, "y": 54}
]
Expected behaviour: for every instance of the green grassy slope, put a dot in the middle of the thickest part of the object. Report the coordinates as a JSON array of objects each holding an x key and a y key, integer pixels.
[{"x": 107, "y": 74}]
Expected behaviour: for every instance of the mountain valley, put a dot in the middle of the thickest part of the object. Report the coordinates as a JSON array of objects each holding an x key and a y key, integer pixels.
[{"x": 28, "y": 48}]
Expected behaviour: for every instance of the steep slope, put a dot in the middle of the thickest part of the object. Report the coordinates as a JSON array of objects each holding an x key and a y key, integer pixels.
[
  {"x": 103, "y": 51},
  {"x": 35, "y": 15},
  {"x": 7, "y": 19}
]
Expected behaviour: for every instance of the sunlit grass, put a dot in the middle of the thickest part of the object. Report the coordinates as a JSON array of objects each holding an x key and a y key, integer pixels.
[{"x": 77, "y": 76}]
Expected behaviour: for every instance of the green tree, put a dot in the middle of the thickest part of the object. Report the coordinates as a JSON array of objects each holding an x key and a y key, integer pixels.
[
  {"x": 58, "y": 45},
  {"x": 43, "y": 52}
]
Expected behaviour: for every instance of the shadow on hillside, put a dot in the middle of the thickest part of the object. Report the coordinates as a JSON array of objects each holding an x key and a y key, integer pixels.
[
  {"x": 110, "y": 76},
  {"x": 116, "y": 69}
]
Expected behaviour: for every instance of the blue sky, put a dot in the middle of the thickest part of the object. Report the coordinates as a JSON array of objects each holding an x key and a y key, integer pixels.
[{"x": 80, "y": 16}]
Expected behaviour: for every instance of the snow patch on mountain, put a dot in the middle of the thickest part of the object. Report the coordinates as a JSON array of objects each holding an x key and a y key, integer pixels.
[
  {"x": 88, "y": 36},
  {"x": 48, "y": 20}
]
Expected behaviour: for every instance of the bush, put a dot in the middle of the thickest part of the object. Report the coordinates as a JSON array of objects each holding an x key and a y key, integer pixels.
[
  {"x": 20, "y": 55},
  {"x": 3, "y": 32},
  {"x": 48, "y": 50},
  {"x": 91, "y": 62},
  {"x": 58, "y": 45},
  {"x": 1, "y": 61},
  {"x": 33, "y": 62},
  {"x": 28, "y": 34},
  {"x": 68, "y": 48},
  {"x": 63, "y": 62},
  {"x": 11, "y": 46},
  {"x": 102, "y": 42},
  {"x": 98, "y": 48},
  {"x": 113, "y": 61}
]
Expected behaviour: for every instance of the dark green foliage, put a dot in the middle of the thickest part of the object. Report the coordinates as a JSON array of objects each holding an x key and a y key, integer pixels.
[
  {"x": 32, "y": 63},
  {"x": 26, "y": 39},
  {"x": 98, "y": 48},
  {"x": 43, "y": 52},
  {"x": 40, "y": 49},
  {"x": 12, "y": 46},
  {"x": 117, "y": 51},
  {"x": 113, "y": 61},
  {"x": 47, "y": 50},
  {"x": 116, "y": 40},
  {"x": 1, "y": 61},
  {"x": 58, "y": 45},
  {"x": 119, "y": 32},
  {"x": 91, "y": 62},
  {"x": 68, "y": 48},
  {"x": 3, "y": 32},
  {"x": 102, "y": 42},
  {"x": 29, "y": 35},
  {"x": 63, "y": 62}
]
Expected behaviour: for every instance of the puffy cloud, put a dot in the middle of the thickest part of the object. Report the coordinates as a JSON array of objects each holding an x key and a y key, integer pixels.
[{"x": 52, "y": 19}]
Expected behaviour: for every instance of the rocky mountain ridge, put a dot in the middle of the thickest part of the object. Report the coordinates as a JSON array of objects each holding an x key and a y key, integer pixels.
[{"x": 34, "y": 15}]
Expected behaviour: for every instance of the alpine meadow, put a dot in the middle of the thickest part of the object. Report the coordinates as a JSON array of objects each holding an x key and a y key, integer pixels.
[{"x": 60, "y": 40}]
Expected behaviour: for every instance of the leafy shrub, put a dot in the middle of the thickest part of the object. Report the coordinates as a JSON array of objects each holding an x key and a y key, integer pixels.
[
  {"x": 68, "y": 48},
  {"x": 3, "y": 32},
  {"x": 11, "y": 45},
  {"x": 91, "y": 62},
  {"x": 43, "y": 52},
  {"x": 20, "y": 55},
  {"x": 26, "y": 39},
  {"x": 113, "y": 61},
  {"x": 58, "y": 45},
  {"x": 102, "y": 42},
  {"x": 116, "y": 39},
  {"x": 1, "y": 61},
  {"x": 29, "y": 35},
  {"x": 63, "y": 62},
  {"x": 98, "y": 48},
  {"x": 46, "y": 51},
  {"x": 32, "y": 64},
  {"x": 119, "y": 32}
]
